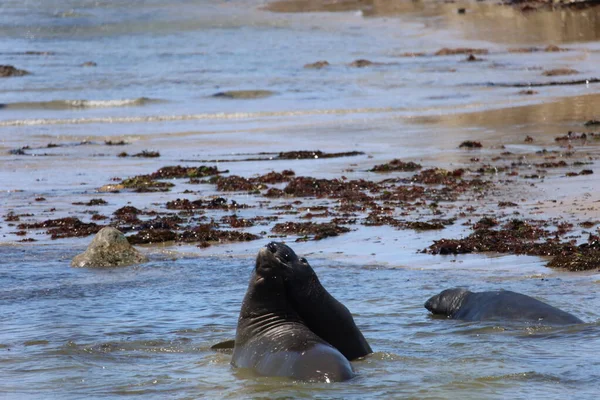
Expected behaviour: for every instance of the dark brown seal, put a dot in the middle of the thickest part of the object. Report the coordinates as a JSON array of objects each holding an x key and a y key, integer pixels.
[
  {"x": 497, "y": 305},
  {"x": 319, "y": 310},
  {"x": 271, "y": 338}
]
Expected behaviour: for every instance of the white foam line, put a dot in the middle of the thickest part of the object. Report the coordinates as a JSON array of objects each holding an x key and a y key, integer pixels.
[{"x": 191, "y": 117}]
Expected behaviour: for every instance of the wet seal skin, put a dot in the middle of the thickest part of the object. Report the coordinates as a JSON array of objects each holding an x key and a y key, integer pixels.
[
  {"x": 271, "y": 338},
  {"x": 497, "y": 305},
  {"x": 319, "y": 310}
]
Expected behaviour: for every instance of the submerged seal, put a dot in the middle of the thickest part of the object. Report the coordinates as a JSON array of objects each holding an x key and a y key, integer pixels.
[
  {"x": 109, "y": 248},
  {"x": 271, "y": 338},
  {"x": 496, "y": 305},
  {"x": 319, "y": 310}
]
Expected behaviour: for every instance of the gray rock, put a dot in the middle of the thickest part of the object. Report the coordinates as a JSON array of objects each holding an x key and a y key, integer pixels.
[
  {"x": 109, "y": 248},
  {"x": 9, "y": 70},
  {"x": 244, "y": 94}
]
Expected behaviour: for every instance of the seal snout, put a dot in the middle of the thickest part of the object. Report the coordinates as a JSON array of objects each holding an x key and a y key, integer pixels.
[
  {"x": 272, "y": 247},
  {"x": 431, "y": 303}
]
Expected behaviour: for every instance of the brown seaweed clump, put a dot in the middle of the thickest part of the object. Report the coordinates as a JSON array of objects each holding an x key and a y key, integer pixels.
[
  {"x": 115, "y": 143},
  {"x": 585, "y": 257},
  {"x": 177, "y": 171},
  {"x": 424, "y": 226},
  {"x": 470, "y": 144},
  {"x": 236, "y": 222},
  {"x": 461, "y": 50},
  {"x": 235, "y": 183},
  {"x": 203, "y": 233},
  {"x": 318, "y": 230},
  {"x": 64, "y": 227},
  {"x": 92, "y": 202},
  {"x": 147, "y": 154},
  {"x": 184, "y": 204},
  {"x": 207, "y": 233},
  {"x": 334, "y": 188},
  {"x": 149, "y": 236},
  {"x": 396, "y": 165},
  {"x": 307, "y": 154},
  {"x": 144, "y": 183},
  {"x": 522, "y": 237},
  {"x": 438, "y": 176}
]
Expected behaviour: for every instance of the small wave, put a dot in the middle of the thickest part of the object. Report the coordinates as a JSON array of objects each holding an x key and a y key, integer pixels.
[
  {"x": 192, "y": 117},
  {"x": 69, "y": 104}
]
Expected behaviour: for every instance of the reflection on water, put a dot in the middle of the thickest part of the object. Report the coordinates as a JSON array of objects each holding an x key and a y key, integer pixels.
[
  {"x": 512, "y": 26},
  {"x": 487, "y": 21},
  {"x": 571, "y": 111}
]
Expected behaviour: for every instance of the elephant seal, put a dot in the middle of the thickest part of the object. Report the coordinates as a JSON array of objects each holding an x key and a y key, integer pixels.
[
  {"x": 496, "y": 305},
  {"x": 319, "y": 310},
  {"x": 271, "y": 338}
]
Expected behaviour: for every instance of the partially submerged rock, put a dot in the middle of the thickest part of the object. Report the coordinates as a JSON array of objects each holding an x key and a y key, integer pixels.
[
  {"x": 9, "y": 70},
  {"x": 461, "y": 50},
  {"x": 245, "y": 94},
  {"x": 109, "y": 248},
  {"x": 361, "y": 63},
  {"x": 317, "y": 65},
  {"x": 560, "y": 72}
]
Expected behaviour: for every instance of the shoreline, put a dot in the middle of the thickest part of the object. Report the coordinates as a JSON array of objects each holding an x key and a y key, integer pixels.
[{"x": 550, "y": 195}]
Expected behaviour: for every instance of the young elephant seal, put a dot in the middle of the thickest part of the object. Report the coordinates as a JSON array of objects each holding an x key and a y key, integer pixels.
[
  {"x": 272, "y": 340},
  {"x": 319, "y": 310},
  {"x": 497, "y": 305}
]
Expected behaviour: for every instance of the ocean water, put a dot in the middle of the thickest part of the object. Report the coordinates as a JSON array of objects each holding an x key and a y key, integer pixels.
[{"x": 147, "y": 330}]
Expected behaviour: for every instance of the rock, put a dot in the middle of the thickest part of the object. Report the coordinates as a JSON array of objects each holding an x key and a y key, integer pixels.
[
  {"x": 245, "y": 94},
  {"x": 109, "y": 248},
  {"x": 472, "y": 58},
  {"x": 9, "y": 70},
  {"x": 361, "y": 63},
  {"x": 111, "y": 188},
  {"x": 552, "y": 48},
  {"x": 460, "y": 50},
  {"x": 317, "y": 65},
  {"x": 559, "y": 72}
]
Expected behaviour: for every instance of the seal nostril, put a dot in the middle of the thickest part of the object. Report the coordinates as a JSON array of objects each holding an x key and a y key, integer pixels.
[{"x": 272, "y": 247}]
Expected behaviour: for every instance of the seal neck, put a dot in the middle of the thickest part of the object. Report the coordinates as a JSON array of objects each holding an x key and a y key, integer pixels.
[
  {"x": 265, "y": 305},
  {"x": 457, "y": 303}
]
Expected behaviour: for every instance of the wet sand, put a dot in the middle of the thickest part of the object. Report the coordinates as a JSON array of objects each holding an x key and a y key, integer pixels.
[{"x": 520, "y": 162}]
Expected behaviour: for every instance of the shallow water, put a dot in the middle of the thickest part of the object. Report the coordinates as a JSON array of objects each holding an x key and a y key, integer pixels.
[{"x": 147, "y": 330}]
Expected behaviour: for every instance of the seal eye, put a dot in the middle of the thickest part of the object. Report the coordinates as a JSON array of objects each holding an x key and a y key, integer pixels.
[{"x": 303, "y": 260}]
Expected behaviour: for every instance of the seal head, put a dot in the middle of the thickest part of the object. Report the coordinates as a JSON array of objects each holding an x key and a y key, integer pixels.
[{"x": 448, "y": 302}]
